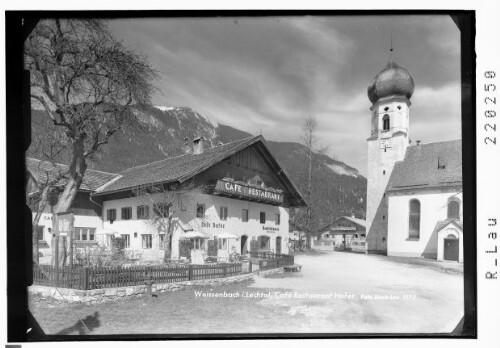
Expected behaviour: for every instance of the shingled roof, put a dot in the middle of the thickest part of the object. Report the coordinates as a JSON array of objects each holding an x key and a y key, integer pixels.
[
  {"x": 433, "y": 165},
  {"x": 181, "y": 168},
  {"x": 43, "y": 171}
]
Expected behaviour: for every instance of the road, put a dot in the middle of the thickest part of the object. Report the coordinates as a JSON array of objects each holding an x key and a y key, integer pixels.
[
  {"x": 368, "y": 294},
  {"x": 334, "y": 293}
]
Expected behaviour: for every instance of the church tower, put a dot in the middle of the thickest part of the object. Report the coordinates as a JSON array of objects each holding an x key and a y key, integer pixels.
[{"x": 389, "y": 92}]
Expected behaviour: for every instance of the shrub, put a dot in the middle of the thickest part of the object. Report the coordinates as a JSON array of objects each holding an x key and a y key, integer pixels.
[
  {"x": 212, "y": 248},
  {"x": 185, "y": 246}
]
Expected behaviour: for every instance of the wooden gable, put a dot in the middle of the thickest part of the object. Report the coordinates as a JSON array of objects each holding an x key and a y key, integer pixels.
[{"x": 248, "y": 166}]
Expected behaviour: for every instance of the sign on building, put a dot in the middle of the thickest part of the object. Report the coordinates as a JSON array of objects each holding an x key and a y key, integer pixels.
[
  {"x": 249, "y": 192},
  {"x": 63, "y": 224}
]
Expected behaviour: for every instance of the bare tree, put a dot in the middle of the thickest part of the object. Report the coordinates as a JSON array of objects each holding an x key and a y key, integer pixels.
[
  {"x": 167, "y": 202},
  {"x": 312, "y": 148},
  {"x": 86, "y": 82}
]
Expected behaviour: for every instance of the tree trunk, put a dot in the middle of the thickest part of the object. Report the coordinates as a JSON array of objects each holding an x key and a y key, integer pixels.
[
  {"x": 41, "y": 207},
  {"x": 309, "y": 194},
  {"x": 77, "y": 170},
  {"x": 168, "y": 240}
]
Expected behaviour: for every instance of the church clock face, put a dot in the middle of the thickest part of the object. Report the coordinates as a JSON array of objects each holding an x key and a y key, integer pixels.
[{"x": 385, "y": 143}]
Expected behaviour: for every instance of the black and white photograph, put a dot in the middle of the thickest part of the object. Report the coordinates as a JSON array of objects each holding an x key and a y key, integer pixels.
[{"x": 250, "y": 174}]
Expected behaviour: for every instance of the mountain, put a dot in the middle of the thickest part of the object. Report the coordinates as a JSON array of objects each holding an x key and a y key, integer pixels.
[{"x": 160, "y": 132}]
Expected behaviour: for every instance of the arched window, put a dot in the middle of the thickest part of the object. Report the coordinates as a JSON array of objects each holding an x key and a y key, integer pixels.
[
  {"x": 414, "y": 219},
  {"x": 454, "y": 209},
  {"x": 385, "y": 123}
]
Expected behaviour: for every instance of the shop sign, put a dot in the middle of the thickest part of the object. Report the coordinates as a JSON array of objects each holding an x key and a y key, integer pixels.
[
  {"x": 212, "y": 225},
  {"x": 270, "y": 229},
  {"x": 249, "y": 192},
  {"x": 63, "y": 223}
]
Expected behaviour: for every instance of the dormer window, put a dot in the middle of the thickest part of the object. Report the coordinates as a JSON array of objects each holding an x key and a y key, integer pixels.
[
  {"x": 441, "y": 163},
  {"x": 385, "y": 123}
]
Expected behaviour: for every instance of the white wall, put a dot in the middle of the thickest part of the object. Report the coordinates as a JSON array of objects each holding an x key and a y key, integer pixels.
[
  {"x": 433, "y": 208},
  {"x": 253, "y": 228},
  {"x": 80, "y": 221}
]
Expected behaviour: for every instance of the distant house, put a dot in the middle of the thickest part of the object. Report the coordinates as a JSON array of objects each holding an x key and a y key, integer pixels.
[{"x": 343, "y": 231}]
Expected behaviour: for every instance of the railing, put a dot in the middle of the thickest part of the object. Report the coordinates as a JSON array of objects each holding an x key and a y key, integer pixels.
[{"x": 86, "y": 278}]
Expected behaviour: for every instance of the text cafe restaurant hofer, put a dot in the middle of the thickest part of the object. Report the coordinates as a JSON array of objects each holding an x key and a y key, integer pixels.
[{"x": 236, "y": 194}]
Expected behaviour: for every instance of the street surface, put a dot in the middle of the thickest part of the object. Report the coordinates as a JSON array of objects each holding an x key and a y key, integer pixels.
[{"x": 334, "y": 293}]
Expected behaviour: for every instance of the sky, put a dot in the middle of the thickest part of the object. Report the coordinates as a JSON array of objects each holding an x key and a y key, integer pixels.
[{"x": 267, "y": 74}]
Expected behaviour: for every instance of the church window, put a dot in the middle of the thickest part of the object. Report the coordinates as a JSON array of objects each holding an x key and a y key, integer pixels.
[
  {"x": 414, "y": 219},
  {"x": 386, "y": 108},
  {"x": 383, "y": 172},
  {"x": 454, "y": 209},
  {"x": 385, "y": 122},
  {"x": 399, "y": 107}
]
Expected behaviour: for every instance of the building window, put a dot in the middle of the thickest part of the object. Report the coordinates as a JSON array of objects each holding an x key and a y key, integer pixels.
[
  {"x": 244, "y": 215},
  {"x": 127, "y": 213},
  {"x": 414, "y": 219},
  {"x": 162, "y": 241},
  {"x": 111, "y": 215},
  {"x": 84, "y": 233},
  {"x": 262, "y": 217},
  {"x": 161, "y": 209},
  {"x": 385, "y": 123},
  {"x": 126, "y": 240},
  {"x": 229, "y": 175},
  {"x": 223, "y": 213},
  {"x": 182, "y": 204},
  {"x": 277, "y": 220},
  {"x": 147, "y": 241},
  {"x": 39, "y": 232},
  {"x": 198, "y": 243},
  {"x": 454, "y": 209},
  {"x": 200, "y": 211},
  {"x": 143, "y": 212},
  {"x": 222, "y": 243}
]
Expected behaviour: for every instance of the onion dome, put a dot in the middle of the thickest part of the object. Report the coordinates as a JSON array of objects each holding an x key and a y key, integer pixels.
[{"x": 393, "y": 80}]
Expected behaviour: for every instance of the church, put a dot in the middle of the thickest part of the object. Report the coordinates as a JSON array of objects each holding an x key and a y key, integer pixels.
[{"x": 414, "y": 190}]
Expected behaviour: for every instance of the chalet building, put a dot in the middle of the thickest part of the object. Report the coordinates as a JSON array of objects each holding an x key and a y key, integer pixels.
[
  {"x": 234, "y": 194},
  {"x": 344, "y": 229},
  {"x": 414, "y": 192}
]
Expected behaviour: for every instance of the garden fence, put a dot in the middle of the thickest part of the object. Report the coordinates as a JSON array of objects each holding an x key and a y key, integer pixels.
[{"x": 89, "y": 278}]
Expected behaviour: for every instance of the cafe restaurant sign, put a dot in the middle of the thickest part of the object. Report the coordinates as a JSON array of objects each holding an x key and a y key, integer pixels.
[{"x": 248, "y": 192}]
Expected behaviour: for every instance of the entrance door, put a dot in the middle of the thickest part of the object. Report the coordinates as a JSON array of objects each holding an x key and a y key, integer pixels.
[
  {"x": 244, "y": 246},
  {"x": 451, "y": 249},
  {"x": 278, "y": 245}
]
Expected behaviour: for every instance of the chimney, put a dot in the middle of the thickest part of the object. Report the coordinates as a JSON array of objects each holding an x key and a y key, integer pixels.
[{"x": 198, "y": 145}]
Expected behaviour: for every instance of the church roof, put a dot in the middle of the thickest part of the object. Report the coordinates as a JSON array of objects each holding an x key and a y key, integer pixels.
[
  {"x": 392, "y": 80},
  {"x": 433, "y": 165},
  {"x": 443, "y": 223}
]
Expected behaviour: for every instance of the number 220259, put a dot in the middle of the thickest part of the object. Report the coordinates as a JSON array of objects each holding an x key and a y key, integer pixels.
[{"x": 490, "y": 102}]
